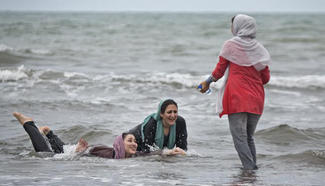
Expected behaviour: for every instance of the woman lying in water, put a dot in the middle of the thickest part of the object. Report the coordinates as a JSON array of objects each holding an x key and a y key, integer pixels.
[{"x": 124, "y": 145}]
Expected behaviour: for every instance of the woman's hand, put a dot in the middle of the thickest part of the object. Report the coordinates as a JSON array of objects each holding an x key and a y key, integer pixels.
[
  {"x": 178, "y": 150},
  {"x": 205, "y": 86},
  {"x": 175, "y": 151}
]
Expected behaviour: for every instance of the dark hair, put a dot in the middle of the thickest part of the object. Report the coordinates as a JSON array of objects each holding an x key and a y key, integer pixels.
[
  {"x": 232, "y": 19},
  {"x": 165, "y": 105},
  {"x": 124, "y": 134}
]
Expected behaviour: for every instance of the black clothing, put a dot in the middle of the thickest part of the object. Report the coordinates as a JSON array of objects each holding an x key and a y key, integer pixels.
[
  {"x": 56, "y": 142},
  {"x": 166, "y": 138},
  {"x": 150, "y": 132},
  {"x": 39, "y": 142}
]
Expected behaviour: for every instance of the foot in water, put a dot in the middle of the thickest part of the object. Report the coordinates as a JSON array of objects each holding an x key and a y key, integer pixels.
[
  {"x": 82, "y": 145},
  {"x": 21, "y": 118},
  {"x": 44, "y": 130}
]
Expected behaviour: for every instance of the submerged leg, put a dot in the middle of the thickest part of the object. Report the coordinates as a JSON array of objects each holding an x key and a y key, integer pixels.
[
  {"x": 238, "y": 129},
  {"x": 38, "y": 141},
  {"x": 44, "y": 130},
  {"x": 252, "y": 121},
  {"x": 55, "y": 141},
  {"x": 21, "y": 118}
]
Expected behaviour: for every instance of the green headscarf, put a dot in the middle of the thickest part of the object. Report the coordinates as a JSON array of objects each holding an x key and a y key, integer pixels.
[{"x": 159, "y": 137}]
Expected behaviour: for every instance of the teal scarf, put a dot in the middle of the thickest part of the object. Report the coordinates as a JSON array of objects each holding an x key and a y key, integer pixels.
[{"x": 159, "y": 137}]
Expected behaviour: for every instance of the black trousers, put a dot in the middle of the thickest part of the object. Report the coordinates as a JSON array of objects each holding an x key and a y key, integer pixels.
[{"x": 38, "y": 141}]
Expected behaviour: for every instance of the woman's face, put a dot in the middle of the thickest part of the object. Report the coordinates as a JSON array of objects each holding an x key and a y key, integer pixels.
[
  {"x": 170, "y": 115},
  {"x": 130, "y": 144}
]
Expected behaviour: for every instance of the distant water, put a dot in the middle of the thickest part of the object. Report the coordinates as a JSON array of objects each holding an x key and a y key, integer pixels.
[{"x": 95, "y": 75}]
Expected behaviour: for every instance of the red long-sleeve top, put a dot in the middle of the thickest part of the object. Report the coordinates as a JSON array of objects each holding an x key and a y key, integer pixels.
[{"x": 244, "y": 91}]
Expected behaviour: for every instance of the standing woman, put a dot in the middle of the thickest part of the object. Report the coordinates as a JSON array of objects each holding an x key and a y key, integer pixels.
[
  {"x": 244, "y": 63},
  {"x": 163, "y": 129}
]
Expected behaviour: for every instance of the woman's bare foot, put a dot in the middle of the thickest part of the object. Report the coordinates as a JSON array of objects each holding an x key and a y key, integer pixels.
[
  {"x": 82, "y": 145},
  {"x": 21, "y": 118},
  {"x": 44, "y": 130}
]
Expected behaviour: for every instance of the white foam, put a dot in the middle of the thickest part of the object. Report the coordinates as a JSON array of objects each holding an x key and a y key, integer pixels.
[
  {"x": 186, "y": 80},
  {"x": 39, "y": 51},
  {"x": 73, "y": 74},
  {"x": 69, "y": 153},
  {"x": 308, "y": 81},
  {"x": 7, "y": 75},
  {"x": 5, "y": 48}
]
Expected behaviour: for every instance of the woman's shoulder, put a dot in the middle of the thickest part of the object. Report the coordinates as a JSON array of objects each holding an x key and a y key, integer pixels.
[
  {"x": 229, "y": 42},
  {"x": 151, "y": 123},
  {"x": 180, "y": 120}
]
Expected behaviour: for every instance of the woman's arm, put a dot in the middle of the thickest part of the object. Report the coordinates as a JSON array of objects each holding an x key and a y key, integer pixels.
[
  {"x": 217, "y": 73},
  {"x": 181, "y": 133},
  {"x": 168, "y": 152},
  {"x": 220, "y": 68}
]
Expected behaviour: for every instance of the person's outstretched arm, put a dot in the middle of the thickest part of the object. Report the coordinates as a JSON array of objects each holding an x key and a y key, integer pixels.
[
  {"x": 181, "y": 133},
  {"x": 217, "y": 73}
]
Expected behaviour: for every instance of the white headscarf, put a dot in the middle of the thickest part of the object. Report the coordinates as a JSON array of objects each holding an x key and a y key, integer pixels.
[{"x": 243, "y": 49}]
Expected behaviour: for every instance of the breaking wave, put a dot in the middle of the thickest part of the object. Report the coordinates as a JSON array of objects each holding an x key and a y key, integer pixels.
[{"x": 178, "y": 80}]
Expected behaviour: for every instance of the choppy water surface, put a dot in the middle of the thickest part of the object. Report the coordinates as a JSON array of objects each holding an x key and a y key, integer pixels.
[{"x": 95, "y": 75}]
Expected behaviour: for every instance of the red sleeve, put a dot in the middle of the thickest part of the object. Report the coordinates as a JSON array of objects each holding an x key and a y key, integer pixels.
[
  {"x": 265, "y": 75},
  {"x": 220, "y": 69}
]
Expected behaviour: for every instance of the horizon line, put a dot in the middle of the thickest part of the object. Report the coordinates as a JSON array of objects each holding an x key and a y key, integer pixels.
[{"x": 166, "y": 11}]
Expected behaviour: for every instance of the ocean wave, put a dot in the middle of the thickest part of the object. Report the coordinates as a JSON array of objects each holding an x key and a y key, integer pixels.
[
  {"x": 308, "y": 81},
  {"x": 173, "y": 79},
  {"x": 13, "y": 75},
  {"x": 10, "y": 58},
  {"x": 177, "y": 80},
  {"x": 41, "y": 52},
  {"x": 22, "y": 52},
  {"x": 92, "y": 135},
  {"x": 5, "y": 48},
  {"x": 285, "y": 135},
  {"x": 309, "y": 156},
  {"x": 191, "y": 81}
]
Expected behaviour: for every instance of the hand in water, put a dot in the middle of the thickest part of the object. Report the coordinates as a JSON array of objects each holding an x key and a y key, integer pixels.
[
  {"x": 175, "y": 151},
  {"x": 178, "y": 150}
]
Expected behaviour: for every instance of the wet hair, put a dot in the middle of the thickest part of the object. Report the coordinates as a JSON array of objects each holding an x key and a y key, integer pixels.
[
  {"x": 124, "y": 134},
  {"x": 165, "y": 105},
  {"x": 232, "y": 19}
]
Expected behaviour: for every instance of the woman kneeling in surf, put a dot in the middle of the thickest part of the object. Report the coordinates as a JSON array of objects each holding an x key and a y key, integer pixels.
[{"x": 163, "y": 129}]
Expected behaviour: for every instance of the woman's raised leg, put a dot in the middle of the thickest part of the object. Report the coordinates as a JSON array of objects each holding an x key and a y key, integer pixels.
[{"x": 38, "y": 141}]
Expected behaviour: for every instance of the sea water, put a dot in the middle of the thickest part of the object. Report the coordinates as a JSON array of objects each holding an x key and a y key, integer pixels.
[{"x": 95, "y": 75}]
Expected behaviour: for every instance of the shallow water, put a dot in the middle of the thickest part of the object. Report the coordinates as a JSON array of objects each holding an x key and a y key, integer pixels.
[{"x": 95, "y": 75}]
